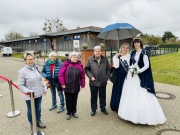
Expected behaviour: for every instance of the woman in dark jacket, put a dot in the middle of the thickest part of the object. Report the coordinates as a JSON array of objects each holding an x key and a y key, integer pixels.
[
  {"x": 120, "y": 62},
  {"x": 72, "y": 79},
  {"x": 50, "y": 73}
]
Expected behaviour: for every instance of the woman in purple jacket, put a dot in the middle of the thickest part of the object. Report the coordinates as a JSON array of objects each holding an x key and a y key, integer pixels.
[{"x": 72, "y": 79}]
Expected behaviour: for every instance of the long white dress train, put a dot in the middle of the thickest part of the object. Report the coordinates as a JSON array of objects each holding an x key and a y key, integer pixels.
[{"x": 138, "y": 105}]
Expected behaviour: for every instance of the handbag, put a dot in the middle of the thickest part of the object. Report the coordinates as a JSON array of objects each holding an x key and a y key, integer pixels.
[
  {"x": 114, "y": 75},
  {"x": 48, "y": 84}
]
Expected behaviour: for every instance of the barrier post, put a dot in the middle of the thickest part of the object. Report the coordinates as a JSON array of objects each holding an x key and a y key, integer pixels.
[
  {"x": 14, "y": 112},
  {"x": 33, "y": 112},
  {"x": 1, "y": 95}
]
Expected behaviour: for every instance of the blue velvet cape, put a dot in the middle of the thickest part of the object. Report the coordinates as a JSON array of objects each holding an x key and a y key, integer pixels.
[{"x": 146, "y": 78}]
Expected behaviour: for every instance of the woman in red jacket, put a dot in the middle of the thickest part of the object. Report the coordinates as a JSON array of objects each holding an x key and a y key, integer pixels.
[{"x": 72, "y": 79}]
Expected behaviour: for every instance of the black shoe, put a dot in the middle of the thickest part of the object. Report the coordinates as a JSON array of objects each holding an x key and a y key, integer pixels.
[
  {"x": 41, "y": 125},
  {"x": 93, "y": 113},
  {"x": 105, "y": 112}
]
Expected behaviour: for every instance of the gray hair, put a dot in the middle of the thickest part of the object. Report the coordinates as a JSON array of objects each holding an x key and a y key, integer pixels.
[
  {"x": 52, "y": 54},
  {"x": 28, "y": 54},
  {"x": 72, "y": 54},
  {"x": 97, "y": 47}
]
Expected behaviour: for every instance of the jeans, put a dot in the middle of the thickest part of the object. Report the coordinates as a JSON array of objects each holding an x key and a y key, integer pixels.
[
  {"x": 53, "y": 94},
  {"x": 94, "y": 97},
  {"x": 37, "y": 103}
]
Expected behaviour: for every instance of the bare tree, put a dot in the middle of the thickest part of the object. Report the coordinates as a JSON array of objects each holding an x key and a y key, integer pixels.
[
  {"x": 11, "y": 35},
  {"x": 54, "y": 25}
]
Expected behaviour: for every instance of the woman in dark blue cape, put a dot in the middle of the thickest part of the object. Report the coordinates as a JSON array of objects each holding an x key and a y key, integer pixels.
[
  {"x": 138, "y": 102},
  {"x": 121, "y": 62}
]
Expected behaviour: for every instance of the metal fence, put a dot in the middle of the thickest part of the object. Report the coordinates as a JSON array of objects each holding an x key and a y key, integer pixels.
[{"x": 154, "y": 50}]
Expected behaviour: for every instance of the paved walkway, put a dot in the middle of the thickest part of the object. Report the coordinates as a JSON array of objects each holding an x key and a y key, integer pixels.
[{"x": 100, "y": 124}]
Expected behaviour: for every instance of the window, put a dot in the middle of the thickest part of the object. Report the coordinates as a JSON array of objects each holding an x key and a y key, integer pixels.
[
  {"x": 76, "y": 37},
  {"x": 66, "y": 38}
]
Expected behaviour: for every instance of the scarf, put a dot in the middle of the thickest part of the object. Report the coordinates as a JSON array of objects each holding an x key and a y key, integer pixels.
[
  {"x": 51, "y": 61},
  {"x": 33, "y": 67}
]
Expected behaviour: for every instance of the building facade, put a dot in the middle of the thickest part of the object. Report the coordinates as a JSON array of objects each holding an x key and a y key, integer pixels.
[{"x": 62, "y": 42}]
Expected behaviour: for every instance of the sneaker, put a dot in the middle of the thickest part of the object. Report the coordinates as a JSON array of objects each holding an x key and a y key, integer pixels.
[
  {"x": 68, "y": 117},
  {"x": 75, "y": 115},
  {"x": 41, "y": 125},
  {"x": 61, "y": 109},
  {"x": 52, "y": 107}
]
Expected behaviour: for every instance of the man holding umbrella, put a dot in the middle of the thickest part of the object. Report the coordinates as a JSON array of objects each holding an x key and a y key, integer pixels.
[{"x": 98, "y": 71}]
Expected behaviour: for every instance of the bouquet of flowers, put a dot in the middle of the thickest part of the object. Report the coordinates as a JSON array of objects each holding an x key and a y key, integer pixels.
[{"x": 134, "y": 69}]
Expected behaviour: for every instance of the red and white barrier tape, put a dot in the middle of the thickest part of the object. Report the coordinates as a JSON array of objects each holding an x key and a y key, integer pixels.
[{"x": 1, "y": 77}]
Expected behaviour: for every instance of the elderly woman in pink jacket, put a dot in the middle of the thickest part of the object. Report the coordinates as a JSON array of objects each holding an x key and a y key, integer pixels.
[{"x": 72, "y": 79}]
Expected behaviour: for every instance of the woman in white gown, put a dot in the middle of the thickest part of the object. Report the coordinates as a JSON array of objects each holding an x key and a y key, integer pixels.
[{"x": 138, "y": 102}]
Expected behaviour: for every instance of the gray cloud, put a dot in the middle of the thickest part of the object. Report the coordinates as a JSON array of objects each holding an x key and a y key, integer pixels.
[{"x": 152, "y": 17}]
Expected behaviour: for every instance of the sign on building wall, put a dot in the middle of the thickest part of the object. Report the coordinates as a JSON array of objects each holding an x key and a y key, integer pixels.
[
  {"x": 76, "y": 43},
  {"x": 53, "y": 46}
]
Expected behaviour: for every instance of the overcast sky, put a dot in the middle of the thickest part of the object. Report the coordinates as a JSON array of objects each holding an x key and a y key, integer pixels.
[{"x": 149, "y": 16}]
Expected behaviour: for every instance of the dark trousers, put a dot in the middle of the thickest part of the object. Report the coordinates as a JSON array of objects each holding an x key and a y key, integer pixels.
[
  {"x": 71, "y": 102},
  {"x": 94, "y": 97}
]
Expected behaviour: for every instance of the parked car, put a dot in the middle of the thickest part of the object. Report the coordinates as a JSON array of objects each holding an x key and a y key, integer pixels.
[
  {"x": 6, "y": 51},
  {"x": 151, "y": 50}
]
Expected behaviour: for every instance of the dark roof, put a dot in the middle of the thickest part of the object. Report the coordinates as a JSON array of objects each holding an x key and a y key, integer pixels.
[
  {"x": 21, "y": 39},
  {"x": 73, "y": 31}
]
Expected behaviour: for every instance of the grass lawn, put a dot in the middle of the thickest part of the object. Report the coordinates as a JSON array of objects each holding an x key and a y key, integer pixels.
[
  {"x": 17, "y": 55},
  {"x": 166, "y": 68},
  {"x": 21, "y": 56}
]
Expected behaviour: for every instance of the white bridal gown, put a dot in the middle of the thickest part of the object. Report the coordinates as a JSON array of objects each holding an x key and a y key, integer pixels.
[{"x": 137, "y": 104}]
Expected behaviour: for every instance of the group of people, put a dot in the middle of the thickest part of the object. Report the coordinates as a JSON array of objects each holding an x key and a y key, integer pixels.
[
  {"x": 133, "y": 95},
  {"x": 65, "y": 79}
]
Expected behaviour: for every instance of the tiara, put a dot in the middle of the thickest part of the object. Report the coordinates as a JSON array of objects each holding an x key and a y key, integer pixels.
[{"x": 137, "y": 38}]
